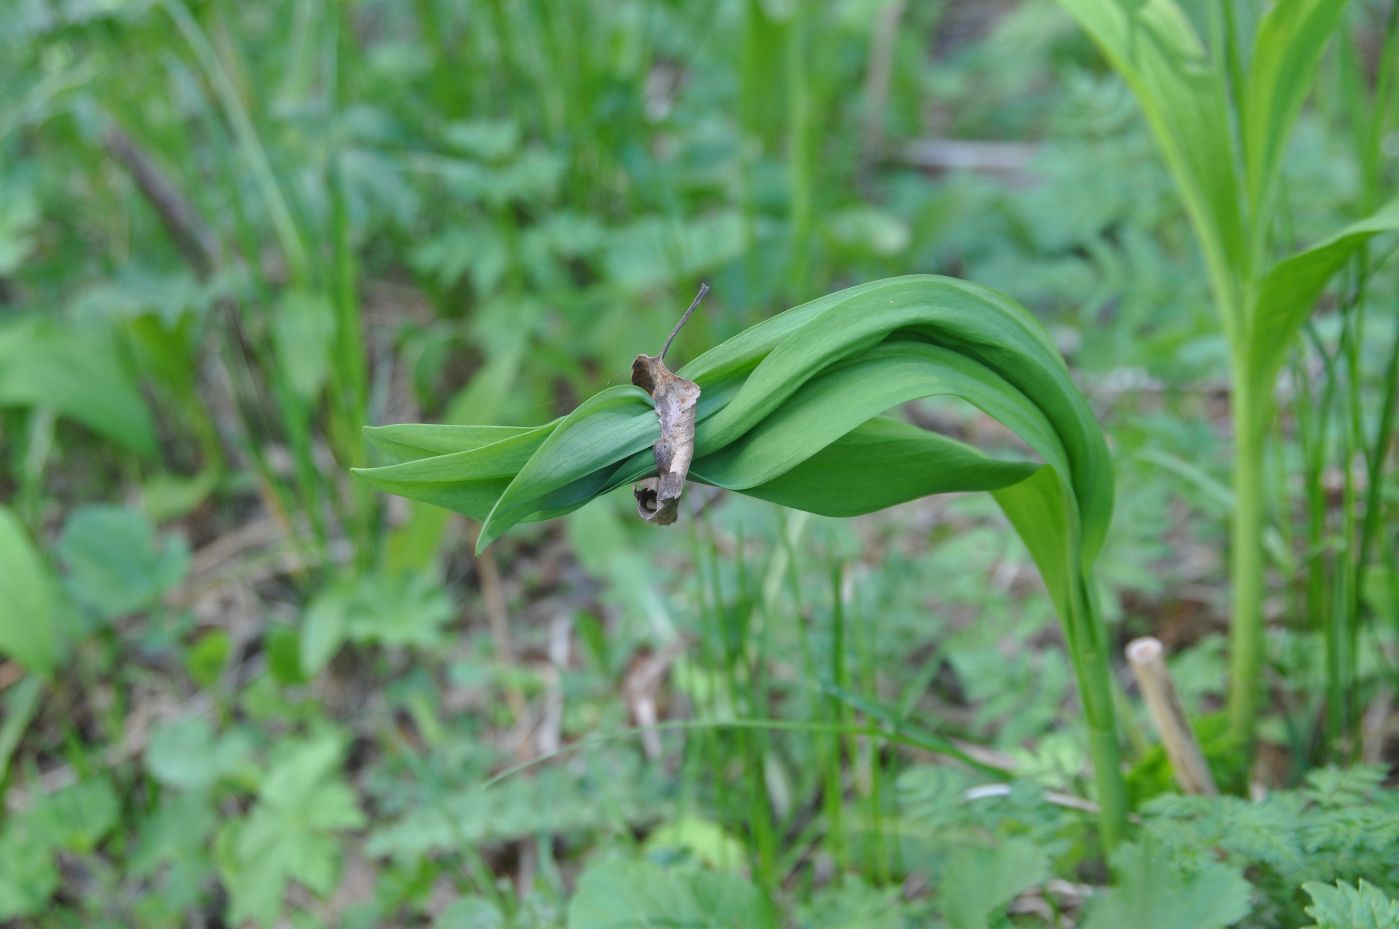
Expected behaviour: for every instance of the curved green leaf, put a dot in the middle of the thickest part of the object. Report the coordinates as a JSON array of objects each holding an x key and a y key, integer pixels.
[
  {"x": 834, "y": 403},
  {"x": 1289, "y": 292},
  {"x": 879, "y": 464},
  {"x": 772, "y": 397}
]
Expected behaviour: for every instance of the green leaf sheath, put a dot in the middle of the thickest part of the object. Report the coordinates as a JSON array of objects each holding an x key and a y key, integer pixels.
[{"x": 778, "y": 400}]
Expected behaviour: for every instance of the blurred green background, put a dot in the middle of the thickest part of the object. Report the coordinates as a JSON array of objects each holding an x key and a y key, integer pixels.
[{"x": 239, "y": 689}]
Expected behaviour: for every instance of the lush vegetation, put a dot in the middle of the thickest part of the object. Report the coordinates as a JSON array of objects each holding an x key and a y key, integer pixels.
[{"x": 1123, "y": 265}]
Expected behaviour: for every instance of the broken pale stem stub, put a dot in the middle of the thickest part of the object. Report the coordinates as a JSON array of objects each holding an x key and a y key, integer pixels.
[{"x": 675, "y": 399}]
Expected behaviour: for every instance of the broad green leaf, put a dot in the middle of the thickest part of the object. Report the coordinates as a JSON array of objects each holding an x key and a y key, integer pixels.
[
  {"x": 879, "y": 464},
  {"x": 835, "y": 403},
  {"x": 638, "y": 895},
  {"x": 978, "y": 882},
  {"x": 38, "y": 362},
  {"x": 1152, "y": 44},
  {"x": 28, "y": 615},
  {"x": 1342, "y": 906},
  {"x": 977, "y": 324},
  {"x": 416, "y": 544},
  {"x": 1150, "y": 893},
  {"x": 1286, "y": 50},
  {"x": 1290, "y": 290},
  {"x": 115, "y": 562}
]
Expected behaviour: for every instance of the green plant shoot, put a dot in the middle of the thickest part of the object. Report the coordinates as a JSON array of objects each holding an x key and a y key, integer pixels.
[{"x": 792, "y": 411}]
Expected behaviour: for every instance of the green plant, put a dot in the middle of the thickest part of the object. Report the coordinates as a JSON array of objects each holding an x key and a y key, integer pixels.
[
  {"x": 1342, "y": 906},
  {"x": 1154, "y": 894},
  {"x": 401, "y": 610},
  {"x": 114, "y": 564},
  {"x": 292, "y": 833},
  {"x": 790, "y": 411},
  {"x": 1341, "y": 825},
  {"x": 75, "y": 819},
  {"x": 1193, "y": 97}
]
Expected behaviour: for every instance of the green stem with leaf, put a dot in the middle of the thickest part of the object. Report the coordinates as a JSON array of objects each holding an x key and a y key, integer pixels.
[{"x": 1195, "y": 99}]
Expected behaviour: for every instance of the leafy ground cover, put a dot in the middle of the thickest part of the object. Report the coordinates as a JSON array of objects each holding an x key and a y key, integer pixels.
[{"x": 241, "y": 687}]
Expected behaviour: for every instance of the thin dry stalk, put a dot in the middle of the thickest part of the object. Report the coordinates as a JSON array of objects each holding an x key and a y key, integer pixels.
[{"x": 1147, "y": 658}]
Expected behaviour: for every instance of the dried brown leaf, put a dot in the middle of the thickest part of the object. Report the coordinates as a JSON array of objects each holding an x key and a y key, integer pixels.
[{"x": 675, "y": 399}]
